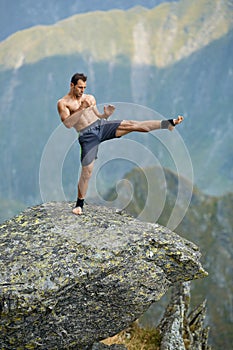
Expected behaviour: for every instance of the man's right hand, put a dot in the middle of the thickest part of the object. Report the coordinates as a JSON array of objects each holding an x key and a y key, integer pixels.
[
  {"x": 87, "y": 101},
  {"x": 85, "y": 104}
]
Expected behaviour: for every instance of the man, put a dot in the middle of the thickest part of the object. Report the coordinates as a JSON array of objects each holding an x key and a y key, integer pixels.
[{"x": 79, "y": 110}]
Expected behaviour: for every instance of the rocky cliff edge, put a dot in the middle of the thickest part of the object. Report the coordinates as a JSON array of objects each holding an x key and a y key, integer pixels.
[{"x": 68, "y": 281}]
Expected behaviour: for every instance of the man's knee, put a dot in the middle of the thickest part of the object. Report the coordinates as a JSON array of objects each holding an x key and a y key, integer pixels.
[
  {"x": 87, "y": 172},
  {"x": 133, "y": 125},
  {"x": 142, "y": 126}
]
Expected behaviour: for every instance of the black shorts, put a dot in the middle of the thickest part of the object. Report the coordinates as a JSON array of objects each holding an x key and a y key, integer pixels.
[{"x": 93, "y": 135}]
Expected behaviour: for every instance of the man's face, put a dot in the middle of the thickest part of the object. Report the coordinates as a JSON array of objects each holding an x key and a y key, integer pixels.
[{"x": 79, "y": 88}]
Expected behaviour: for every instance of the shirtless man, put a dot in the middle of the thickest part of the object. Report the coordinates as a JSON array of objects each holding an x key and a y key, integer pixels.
[{"x": 79, "y": 110}]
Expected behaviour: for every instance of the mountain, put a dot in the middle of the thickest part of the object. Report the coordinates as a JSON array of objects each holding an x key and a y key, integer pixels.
[
  {"x": 175, "y": 58},
  {"x": 15, "y": 16},
  {"x": 158, "y": 37},
  {"x": 208, "y": 222}
]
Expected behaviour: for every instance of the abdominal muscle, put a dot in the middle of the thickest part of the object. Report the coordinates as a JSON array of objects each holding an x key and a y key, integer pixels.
[{"x": 87, "y": 117}]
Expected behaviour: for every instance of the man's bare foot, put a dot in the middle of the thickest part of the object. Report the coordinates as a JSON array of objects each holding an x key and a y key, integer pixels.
[
  {"x": 177, "y": 121},
  {"x": 77, "y": 211}
]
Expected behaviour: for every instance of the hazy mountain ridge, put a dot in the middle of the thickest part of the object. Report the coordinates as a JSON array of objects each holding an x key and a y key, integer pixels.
[
  {"x": 15, "y": 16},
  {"x": 165, "y": 35}
]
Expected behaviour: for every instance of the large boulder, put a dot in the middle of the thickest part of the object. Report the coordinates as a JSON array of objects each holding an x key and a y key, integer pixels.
[{"x": 67, "y": 281}]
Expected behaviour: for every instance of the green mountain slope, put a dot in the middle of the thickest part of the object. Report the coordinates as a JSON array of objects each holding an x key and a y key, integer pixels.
[
  {"x": 165, "y": 34},
  {"x": 208, "y": 222},
  {"x": 15, "y": 16}
]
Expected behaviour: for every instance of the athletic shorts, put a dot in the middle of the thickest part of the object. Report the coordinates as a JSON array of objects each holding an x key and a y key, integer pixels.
[{"x": 91, "y": 136}]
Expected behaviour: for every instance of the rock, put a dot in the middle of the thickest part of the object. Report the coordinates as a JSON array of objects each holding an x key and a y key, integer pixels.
[
  {"x": 179, "y": 329},
  {"x": 100, "y": 346},
  {"x": 68, "y": 281}
]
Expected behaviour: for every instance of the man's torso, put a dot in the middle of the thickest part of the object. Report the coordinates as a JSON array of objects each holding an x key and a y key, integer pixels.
[{"x": 87, "y": 117}]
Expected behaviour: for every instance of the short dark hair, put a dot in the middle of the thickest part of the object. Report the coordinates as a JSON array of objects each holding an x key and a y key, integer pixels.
[{"x": 78, "y": 76}]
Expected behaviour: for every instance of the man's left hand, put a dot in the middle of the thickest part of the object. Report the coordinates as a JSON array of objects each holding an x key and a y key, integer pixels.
[{"x": 109, "y": 110}]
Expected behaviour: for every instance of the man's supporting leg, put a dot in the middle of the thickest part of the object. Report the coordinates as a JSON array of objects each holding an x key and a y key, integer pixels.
[{"x": 82, "y": 187}]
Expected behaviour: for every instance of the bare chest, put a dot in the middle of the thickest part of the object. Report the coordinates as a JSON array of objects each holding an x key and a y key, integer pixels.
[{"x": 73, "y": 106}]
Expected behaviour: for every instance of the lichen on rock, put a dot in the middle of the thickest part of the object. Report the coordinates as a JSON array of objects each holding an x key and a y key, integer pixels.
[{"x": 68, "y": 281}]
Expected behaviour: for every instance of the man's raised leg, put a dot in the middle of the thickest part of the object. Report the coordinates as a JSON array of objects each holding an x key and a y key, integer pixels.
[{"x": 128, "y": 126}]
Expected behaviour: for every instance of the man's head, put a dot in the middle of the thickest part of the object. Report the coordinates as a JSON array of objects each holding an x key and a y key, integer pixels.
[
  {"x": 78, "y": 76},
  {"x": 78, "y": 84}
]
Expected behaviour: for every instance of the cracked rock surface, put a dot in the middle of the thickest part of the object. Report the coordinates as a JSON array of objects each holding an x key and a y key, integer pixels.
[{"x": 68, "y": 281}]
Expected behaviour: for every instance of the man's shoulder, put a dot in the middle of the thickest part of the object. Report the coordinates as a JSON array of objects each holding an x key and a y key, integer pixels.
[{"x": 64, "y": 101}]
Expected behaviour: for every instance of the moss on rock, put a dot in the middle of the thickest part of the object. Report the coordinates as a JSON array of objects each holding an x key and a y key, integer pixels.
[{"x": 67, "y": 281}]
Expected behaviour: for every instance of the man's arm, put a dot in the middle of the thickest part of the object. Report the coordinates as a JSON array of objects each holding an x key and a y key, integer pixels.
[
  {"x": 69, "y": 120},
  {"x": 108, "y": 110}
]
